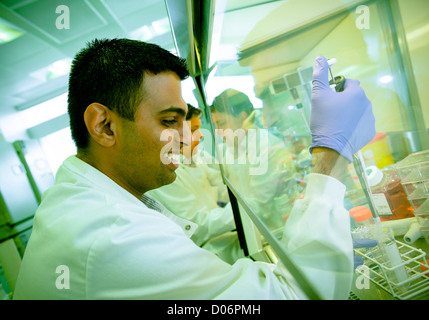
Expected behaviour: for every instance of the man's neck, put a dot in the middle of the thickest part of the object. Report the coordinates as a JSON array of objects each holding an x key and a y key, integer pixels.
[{"x": 105, "y": 167}]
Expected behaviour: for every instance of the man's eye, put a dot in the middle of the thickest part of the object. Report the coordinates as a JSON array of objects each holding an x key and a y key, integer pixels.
[{"x": 169, "y": 122}]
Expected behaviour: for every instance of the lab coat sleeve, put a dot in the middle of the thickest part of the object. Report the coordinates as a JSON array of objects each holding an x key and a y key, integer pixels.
[
  {"x": 211, "y": 222},
  {"x": 149, "y": 257},
  {"x": 215, "y": 180},
  {"x": 270, "y": 184},
  {"x": 318, "y": 240}
]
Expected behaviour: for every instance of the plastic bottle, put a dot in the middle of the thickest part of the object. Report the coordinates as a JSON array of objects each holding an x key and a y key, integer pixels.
[
  {"x": 388, "y": 193},
  {"x": 365, "y": 225},
  {"x": 377, "y": 151}
]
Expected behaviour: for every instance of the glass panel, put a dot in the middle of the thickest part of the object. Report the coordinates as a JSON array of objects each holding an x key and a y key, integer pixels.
[
  {"x": 415, "y": 18},
  {"x": 260, "y": 91}
]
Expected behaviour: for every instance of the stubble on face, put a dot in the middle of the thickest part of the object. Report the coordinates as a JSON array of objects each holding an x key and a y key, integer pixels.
[{"x": 140, "y": 160}]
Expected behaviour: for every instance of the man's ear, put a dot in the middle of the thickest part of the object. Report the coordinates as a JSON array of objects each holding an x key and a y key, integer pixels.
[{"x": 100, "y": 124}]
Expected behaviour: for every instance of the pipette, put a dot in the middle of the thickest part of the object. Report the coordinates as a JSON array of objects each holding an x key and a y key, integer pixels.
[
  {"x": 331, "y": 62},
  {"x": 337, "y": 84},
  {"x": 389, "y": 251}
]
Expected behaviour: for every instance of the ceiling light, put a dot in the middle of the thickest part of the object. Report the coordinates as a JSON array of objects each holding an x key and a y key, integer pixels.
[
  {"x": 146, "y": 33},
  {"x": 142, "y": 34},
  {"x": 54, "y": 70},
  {"x": 8, "y": 33},
  {"x": 60, "y": 67},
  {"x": 385, "y": 79},
  {"x": 161, "y": 26}
]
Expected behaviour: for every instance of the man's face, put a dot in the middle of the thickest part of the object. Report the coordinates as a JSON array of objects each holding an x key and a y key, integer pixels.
[
  {"x": 224, "y": 121},
  {"x": 227, "y": 126},
  {"x": 143, "y": 164},
  {"x": 194, "y": 124}
]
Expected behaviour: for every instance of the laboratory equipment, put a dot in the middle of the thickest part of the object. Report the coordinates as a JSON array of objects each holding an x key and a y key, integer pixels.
[
  {"x": 391, "y": 259},
  {"x": 422, "y": 214},
  {"x": 291, "y": 82},
  {"x": 413, "y": 165},
  {"x": 413, "y": 233},
  {"x": 408, "y": 228},
  {"x": 271, "y": 48},
  {"x": 414, "y": 261},
  {"x": 386, "y": 253},
  {"x": 414, "y": 171},
  {"x": 364, "y": 221},
  {"x": 377, "y": 151},
  {"x": 294, "y": 80},
  {"x": 336, "y": 83},
  {"x": 389, "y": 196}
]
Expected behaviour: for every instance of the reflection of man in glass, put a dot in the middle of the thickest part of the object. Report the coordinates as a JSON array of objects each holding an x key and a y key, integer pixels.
[
  {"x": 272, "y": 192},
  {"x": 194, "y": 122},
  {"x": 230, "y": 109}
]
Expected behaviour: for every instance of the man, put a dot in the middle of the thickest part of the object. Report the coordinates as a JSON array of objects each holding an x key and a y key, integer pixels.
[
  {"x": 94, "y": 239},
  {"x": 196, "y": 193},
  {"x": 193, "y": 120},
  {"x": 262, "y": 169}
]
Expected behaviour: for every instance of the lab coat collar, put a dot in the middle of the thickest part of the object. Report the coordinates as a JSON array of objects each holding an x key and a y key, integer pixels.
[
  {"x": 187, "y": 226},
  {"x": 95, "y": 177},
  {"x": 99, "y": 180}
]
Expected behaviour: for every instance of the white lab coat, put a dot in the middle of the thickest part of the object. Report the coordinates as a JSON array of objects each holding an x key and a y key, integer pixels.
[
  {"x": 263, "y": 175},
  {"x": 93, "y": 240},
  {"x": 194, "y": 196}
]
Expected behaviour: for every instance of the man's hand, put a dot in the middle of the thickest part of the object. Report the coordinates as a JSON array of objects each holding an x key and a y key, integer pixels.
[{"x": 341, "y": 121}]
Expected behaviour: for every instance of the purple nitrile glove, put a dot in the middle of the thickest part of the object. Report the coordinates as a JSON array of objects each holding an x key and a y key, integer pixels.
[
  {"x": 361, "y": 243},
  {"x": 342, "y": 121}
]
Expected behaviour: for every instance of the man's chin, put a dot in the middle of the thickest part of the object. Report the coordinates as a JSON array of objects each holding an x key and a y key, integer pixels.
[{"x": 170, "y": 179}]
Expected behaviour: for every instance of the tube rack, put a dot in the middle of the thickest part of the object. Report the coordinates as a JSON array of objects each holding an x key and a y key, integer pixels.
[{"x": 416, "y": 265}]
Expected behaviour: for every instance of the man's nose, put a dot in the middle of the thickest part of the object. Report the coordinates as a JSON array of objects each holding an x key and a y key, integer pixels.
[
  {"x": 197, "y": 135},
  {"x": 185, "y": 135}
]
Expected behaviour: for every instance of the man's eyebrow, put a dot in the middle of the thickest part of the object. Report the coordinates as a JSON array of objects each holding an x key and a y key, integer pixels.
[{"x": 178, "y": 110}]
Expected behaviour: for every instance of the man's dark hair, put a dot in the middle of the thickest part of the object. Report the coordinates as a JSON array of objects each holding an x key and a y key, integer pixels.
[
  {"x": 192, "y": 112},
  {"x": 232, "y": 102},
  {"x": 111, "y": 72}
]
